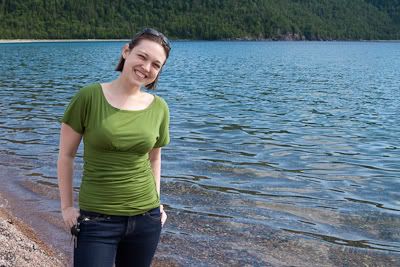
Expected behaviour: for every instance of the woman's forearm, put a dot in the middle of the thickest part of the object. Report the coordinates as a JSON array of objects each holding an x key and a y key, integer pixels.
[
  {"x": 69, "y": 143},
  {"x": 156, "y": 168},
  {"x": 65, "y": 167},
  {"x": 155, "y": 161}
]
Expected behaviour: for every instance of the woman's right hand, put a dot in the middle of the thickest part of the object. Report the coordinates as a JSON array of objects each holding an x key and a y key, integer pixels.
[{"x": 70, "y": 216}]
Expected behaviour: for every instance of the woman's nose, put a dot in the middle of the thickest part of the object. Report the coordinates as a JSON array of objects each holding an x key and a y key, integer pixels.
[{"x": 147, "y": 66}]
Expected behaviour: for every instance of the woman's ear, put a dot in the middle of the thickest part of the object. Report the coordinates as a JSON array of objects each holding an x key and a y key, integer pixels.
[{"x": 125, "y": 51}]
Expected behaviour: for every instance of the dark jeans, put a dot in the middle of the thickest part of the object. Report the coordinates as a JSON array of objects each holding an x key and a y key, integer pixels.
[{"x": 124, "y": 240}]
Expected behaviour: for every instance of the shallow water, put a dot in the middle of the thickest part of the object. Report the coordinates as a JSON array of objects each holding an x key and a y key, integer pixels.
[{"x": 282, "y": 153}]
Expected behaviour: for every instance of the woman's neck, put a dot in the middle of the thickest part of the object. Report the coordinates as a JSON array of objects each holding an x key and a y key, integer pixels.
[{"x": 122, "y": 87}]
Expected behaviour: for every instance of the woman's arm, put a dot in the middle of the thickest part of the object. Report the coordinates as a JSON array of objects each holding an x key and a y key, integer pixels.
[
  {"x": 155, "y": 160},
  {"x": 69, "y": 143}
]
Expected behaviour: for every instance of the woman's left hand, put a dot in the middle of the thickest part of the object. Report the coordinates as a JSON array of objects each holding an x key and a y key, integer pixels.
[{"x": 163, "y": 215}]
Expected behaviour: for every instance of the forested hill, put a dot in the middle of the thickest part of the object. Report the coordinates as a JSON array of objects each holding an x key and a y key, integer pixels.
[{"x": 202, "y": 19}]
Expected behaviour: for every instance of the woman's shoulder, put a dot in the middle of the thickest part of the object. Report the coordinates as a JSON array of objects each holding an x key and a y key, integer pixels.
[
  {"x": 87, "y": 91},
  {"x": 160, "y": 100},
  {"x": 161, "y": 103},
  {"x": 90, "y": 88}
]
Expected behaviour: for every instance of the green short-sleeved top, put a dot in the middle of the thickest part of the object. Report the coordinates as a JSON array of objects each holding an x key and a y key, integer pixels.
[{"x": 117, "y": 175}]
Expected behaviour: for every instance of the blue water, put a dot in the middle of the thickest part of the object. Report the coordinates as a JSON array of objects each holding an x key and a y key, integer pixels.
[{"x": 297, "y": 139}]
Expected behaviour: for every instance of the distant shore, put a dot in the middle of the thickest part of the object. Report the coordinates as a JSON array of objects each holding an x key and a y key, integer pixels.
[
  {"x": 15, "y": 41},
  {"x": 6, "y": 41}
]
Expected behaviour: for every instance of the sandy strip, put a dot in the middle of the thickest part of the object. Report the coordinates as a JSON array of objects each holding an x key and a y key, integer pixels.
[{"x": 20, "y": 246}]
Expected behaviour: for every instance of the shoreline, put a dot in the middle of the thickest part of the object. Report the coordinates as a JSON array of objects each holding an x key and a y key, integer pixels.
[
  {"x": 35, "y": 209},
  {"x": 21, "y": 245}
]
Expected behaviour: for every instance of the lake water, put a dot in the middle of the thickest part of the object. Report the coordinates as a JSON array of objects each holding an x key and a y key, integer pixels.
[{"x": 281, "y": 153}]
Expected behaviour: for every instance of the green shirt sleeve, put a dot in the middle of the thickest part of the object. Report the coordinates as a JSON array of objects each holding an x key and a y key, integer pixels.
[
  {"x": 75, "y": 114},
  {"x": 163, "y": 137}
]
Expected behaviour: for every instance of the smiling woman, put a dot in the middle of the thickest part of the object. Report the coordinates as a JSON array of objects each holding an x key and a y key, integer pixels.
[{"x": 123, "y": 128}]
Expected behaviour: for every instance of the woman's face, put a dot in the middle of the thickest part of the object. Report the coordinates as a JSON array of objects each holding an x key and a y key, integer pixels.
[{"x": 143, "y": 62}]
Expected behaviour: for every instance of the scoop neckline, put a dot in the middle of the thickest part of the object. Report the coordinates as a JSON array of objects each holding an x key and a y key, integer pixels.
[{"x": 125, "y": 110}]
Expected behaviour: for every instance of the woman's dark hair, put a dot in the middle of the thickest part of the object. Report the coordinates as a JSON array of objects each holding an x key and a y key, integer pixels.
[{"x": 152, "y": 35}]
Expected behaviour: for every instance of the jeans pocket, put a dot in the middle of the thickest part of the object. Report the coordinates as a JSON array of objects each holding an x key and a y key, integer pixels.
[{"x": 153, "y": 215}]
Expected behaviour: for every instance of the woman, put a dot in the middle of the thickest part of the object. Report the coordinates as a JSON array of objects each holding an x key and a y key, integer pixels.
[{"x": 123, "y": 130}]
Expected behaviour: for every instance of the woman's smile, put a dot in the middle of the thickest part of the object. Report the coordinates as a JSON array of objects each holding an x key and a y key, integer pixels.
[{"x": 140, "y": 74}]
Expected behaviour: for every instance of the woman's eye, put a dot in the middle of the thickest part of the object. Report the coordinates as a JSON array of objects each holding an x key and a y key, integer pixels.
[
  {"x": 156, "y": 66},
  {"x": 141, "y": 56}
]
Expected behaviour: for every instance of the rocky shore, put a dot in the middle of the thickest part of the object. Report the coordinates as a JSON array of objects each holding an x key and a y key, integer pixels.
[{"x": 20, "y": 246}]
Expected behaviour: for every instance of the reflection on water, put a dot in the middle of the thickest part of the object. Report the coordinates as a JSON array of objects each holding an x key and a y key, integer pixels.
[{"x": 297, "y": 139}]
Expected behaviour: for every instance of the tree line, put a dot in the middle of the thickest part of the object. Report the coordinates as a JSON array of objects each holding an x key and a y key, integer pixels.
[{"x": 206, "y": 19}]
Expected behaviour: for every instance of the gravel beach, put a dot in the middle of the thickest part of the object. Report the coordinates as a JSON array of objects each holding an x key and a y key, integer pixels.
[{"x": 20, "y": 244}]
